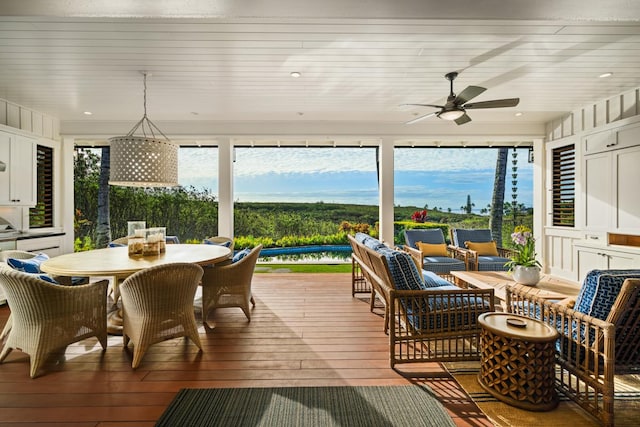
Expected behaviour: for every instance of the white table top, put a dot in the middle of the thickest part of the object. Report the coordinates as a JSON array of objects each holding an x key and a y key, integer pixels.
[{"x": 116, "y": 261}]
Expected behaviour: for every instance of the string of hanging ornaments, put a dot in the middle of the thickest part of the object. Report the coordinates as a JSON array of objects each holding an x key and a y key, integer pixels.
[{"x": 147, "y": 160}]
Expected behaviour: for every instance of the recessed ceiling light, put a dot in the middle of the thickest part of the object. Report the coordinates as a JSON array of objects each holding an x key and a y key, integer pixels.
[
  {"x": 607, "y": 74},
  {"x": 518, "y": 114},
  {"x": 296, "y": 74},
  {"x": 300, "y": 113},
  {"x": 194, "y": 113},
  {"x": 87, "y": 113}
]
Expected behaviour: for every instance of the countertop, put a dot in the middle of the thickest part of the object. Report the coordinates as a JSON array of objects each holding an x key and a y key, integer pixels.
[{"x": 18, "y": 235}]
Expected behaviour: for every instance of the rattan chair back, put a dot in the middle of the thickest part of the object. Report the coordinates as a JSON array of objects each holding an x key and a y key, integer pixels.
[
  {"x": 157, "y": 305},
  {"x": 229, "y": 285},
  {"x": 47, "y": 317}
]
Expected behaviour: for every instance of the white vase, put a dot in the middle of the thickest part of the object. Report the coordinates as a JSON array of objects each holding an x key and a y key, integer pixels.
[{"x": 526, "y": 275}]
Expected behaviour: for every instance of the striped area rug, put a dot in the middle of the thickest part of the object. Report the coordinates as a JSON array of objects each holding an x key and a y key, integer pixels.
[
  {"x": 568, "y": 413},
  {"x": 374, "y": 406}
]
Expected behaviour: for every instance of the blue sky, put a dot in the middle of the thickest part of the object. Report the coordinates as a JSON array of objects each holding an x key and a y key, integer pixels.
[{"x": 436, "y": 177}]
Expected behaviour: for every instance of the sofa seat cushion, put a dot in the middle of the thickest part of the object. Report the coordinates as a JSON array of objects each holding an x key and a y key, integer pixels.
[
  {"x": 432, "y": 280},
  {"x": 437, "y": 312},
  {"x": 492, "y": 263},
  {"x": 443, "y": 264}
]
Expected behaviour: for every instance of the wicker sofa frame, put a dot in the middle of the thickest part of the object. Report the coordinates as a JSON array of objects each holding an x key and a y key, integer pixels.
[
  {"x": 431, "y": 325},
  {"x": 585, "y": 372}
]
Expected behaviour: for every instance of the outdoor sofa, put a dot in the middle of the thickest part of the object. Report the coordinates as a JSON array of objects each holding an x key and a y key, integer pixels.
[{"x": 428, "y": 319}]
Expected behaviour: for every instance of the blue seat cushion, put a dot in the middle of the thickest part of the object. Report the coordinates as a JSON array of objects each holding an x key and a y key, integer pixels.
[
  {"x": 432, "y": 236},
  {"x": 369, "y": 242},
  {"x": 31, "y": 265},
  {"x": 443, "y": 264},
  {"x": 432, "y": 280},
  {"x": 460, "y": 235},
  {"x": 492, "y": 263},
  {"x": 434, "y": 312},
  {"x": 600, "y": 290},
  {"x": 240, "y": 254},
  {"x": 116, "y": 245}
]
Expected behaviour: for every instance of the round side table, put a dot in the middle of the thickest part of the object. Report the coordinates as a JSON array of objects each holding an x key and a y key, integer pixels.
[{"x": 517, "y": 361}]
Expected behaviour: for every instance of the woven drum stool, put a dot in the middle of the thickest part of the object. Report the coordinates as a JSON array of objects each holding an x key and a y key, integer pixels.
[{"x": 517, "y": 361}]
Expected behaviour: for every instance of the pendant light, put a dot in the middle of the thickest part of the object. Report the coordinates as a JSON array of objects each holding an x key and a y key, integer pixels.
[{"x": 147, "y": 160}]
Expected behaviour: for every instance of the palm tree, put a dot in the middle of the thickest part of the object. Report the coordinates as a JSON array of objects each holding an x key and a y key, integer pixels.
[
  {"x": 497, "y": 201},
  {"x": 103, "y": 224}
]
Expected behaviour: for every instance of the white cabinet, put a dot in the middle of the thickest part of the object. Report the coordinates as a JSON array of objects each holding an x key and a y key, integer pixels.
[
  {"x": 592, "y": 257},
  {"x": 18, "y": 180},
  {"x": 51, "y": 245},
  {"x": 611, "y": 182}
]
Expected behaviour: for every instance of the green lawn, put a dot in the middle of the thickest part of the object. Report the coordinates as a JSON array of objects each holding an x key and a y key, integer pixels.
[{"x": 303, "y": 268}]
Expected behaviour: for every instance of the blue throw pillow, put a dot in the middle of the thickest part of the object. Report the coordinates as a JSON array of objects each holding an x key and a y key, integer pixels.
[
  {"x": 226, "y": 244},
  {"x": 241, "y": 254},
  {"x": 116, "y": 245},
  {"x": 31, "y": 265},
  {"x": 47, "y": 278}
]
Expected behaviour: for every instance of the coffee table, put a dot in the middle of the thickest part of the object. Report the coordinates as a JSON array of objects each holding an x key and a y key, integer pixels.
[
  {"x": 548, "y": 287},
  {"x": 517, "y": 360}
]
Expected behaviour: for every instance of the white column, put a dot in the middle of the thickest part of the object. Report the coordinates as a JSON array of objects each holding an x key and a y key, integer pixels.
[
  {"x": 65, "y": 201},
  {"x": 225, "y": 187},
  {"x": 385, "y": 189}
]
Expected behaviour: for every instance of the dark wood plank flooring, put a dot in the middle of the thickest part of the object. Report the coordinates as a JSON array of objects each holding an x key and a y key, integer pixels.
[{"x": 306, "y": 330}]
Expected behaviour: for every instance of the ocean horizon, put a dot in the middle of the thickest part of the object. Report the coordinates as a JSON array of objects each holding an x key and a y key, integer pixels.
[{"x": 441, "y": 178}]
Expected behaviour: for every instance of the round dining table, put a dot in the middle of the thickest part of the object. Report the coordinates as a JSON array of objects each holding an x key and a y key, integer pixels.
[{"x": 116, "y": 263}]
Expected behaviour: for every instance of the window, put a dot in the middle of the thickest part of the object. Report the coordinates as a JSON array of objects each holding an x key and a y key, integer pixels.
[
  {"x": 41, "y": 215},
  {"x": 564, "y": 188}
]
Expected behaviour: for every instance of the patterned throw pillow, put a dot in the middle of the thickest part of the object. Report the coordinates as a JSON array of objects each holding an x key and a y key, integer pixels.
[
  {"x": 433, "y": 249},
  {"x": 239, "y": 255},
  {"x": 484, "y": 248},
  {"x": 31, "y": 265}
]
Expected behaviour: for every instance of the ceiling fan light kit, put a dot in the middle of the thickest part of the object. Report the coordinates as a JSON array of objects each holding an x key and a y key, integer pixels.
[
  {"x": 147, "y": 160},
  {"x": 456, "y": 105}
]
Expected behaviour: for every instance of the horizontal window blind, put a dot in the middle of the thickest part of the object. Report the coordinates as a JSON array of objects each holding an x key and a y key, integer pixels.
[
  {"x": 41, "y": 215},
  {"x": 564, "y": 186}
]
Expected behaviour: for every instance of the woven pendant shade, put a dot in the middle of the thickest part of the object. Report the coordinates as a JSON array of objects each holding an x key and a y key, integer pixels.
[{"x": 143, "y": 161}]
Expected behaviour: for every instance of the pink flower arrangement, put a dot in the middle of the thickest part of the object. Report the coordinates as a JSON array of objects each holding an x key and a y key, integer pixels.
[{"x": 419, "y": 216}]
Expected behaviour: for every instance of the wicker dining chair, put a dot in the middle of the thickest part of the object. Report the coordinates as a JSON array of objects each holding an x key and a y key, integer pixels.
[
  {"x": 157, "y": 305},
  {"x": 47, "y": 317},
  {"x": 4, "y": 256},
  {"x": 229, "y": 285}
]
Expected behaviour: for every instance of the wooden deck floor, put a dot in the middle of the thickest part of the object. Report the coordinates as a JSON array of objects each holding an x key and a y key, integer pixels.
[{"x": 306, "y": 330}]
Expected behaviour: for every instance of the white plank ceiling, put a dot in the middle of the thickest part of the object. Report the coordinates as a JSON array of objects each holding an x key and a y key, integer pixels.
[{"x": 226, "y": 63}]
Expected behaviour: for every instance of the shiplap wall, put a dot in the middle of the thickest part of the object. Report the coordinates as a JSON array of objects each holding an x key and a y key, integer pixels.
[
  {"x": 560, "y": 258},
  {"x": 26, "y": 119},
  {"x": 595, "y": 115}
]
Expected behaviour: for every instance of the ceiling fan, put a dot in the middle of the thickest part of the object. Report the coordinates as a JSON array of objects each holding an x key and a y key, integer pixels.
[{"x": 456, "y": 106}]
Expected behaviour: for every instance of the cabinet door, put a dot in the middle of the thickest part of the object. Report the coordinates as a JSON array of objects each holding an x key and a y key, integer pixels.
[
  {"x": 597, "y": 191},
  {"x": 591, "y": 259},
  {"x": 621, "y": 261},
  {"x": 5, "y": 180},
  {"x": 627, "y": 201},
  {"x": 23, "y": 182}
]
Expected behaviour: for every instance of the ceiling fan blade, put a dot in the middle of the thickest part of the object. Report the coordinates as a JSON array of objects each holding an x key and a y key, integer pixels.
[
  {"x": 496, "y": 103},
  {"x": 468, "y": 94},
  {"x": 463, "y": 119},
  {"x": 417, "y": 119},
  {"x": 422, "y": 105}
]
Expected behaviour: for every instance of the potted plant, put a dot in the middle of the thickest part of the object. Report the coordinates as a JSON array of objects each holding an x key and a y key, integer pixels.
[{"x": 523, "y": 264}]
